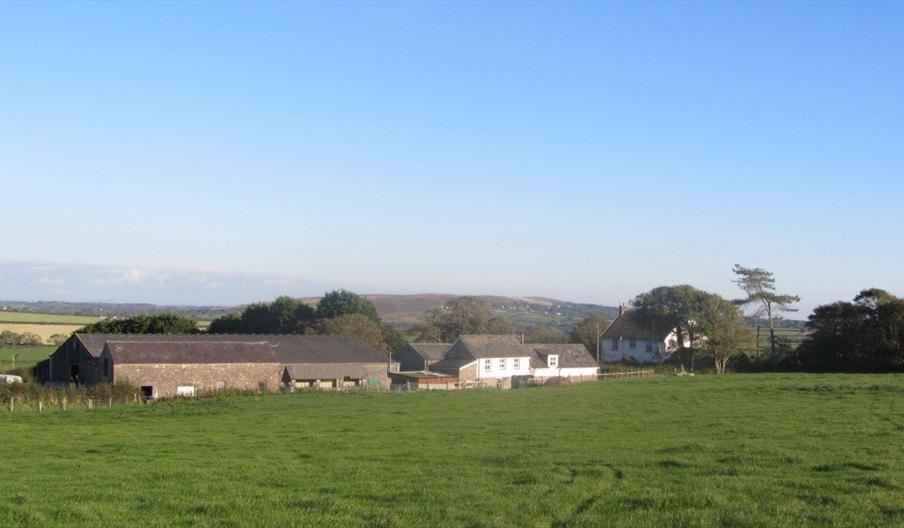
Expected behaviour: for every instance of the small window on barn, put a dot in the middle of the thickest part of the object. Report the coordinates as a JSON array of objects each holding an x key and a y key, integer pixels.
[
  {"x": 186, "y": 391},
  {"x": 552, "y": 361},
  {"x": 502, "y": 364},
  {"x": 147, "y": 391},
  {"x": 488, "y": 365},
  {"x": 632, "y": 344},
  {"x": 516, "y": 363}
]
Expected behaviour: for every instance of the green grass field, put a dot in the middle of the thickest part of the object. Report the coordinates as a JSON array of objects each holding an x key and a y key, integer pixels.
[
  {"x": 741, "y": 450},
  {"x": 27, "y": 356}
]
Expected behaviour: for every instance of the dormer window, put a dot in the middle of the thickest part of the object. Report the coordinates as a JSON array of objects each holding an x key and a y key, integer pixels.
[{"x": 552, "y": 360}]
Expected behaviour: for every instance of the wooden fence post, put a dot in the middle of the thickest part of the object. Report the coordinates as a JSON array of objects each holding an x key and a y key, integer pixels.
[{"x": 40, "y": 405}]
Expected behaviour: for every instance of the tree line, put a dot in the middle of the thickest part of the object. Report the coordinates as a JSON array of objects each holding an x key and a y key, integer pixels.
[{"x": 864, "y": 335}]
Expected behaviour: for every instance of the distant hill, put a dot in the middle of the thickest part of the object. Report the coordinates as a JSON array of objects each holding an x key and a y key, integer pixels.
[
  {"x": 204, "y": 313},
  {"x": 524, "y": 312},
  {"x": 399, "y": 310}
]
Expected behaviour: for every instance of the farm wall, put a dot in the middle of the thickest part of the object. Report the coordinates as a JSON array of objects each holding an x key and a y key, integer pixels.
[
  {"x": 166, "y": 377},
  {"x": 468, "y": 373},
  {"x": 577, "y": 374}
]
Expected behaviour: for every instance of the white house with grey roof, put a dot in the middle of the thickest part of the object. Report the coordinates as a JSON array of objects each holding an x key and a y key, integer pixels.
[
  {"x": 495, "y": 359},
  {"x": 629, "y": 338}
]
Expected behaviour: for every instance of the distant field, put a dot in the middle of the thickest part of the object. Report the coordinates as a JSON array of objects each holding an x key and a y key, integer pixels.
[
  {"x": 43, "y": 330},
  {"x": 43, "y": 318},
  {"x": 738, "y": 450},
  {"x": 794, "y": 336},
  {"x": 28, "y": 356}
]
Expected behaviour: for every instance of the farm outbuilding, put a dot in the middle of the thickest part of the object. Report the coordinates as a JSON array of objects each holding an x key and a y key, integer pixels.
[
  {"x": 168, "y": 365},
  {"x": 419, "y": 356}
]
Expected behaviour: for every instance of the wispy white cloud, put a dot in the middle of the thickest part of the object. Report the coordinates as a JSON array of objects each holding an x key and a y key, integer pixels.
[
  {"x": 48, "y": 281},
  {"x": 30, "y": 281}
]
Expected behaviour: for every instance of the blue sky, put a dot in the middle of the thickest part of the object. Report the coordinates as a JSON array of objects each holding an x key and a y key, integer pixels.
[{"x": 585, "y": 151}]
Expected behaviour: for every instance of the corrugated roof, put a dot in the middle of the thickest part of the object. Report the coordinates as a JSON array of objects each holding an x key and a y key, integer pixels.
[
  {"x": 288, "y": 348},
  {"x": 628, "y": 326},
  {"x": 430, "y": 351},
  {"x": 134, "y": 352}
]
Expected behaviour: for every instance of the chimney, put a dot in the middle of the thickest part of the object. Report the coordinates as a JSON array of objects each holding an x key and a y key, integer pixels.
[{"x": 622, "y": 308}]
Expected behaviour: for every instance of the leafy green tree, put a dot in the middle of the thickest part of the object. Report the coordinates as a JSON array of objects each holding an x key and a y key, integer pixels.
[
  {"x": 59, "y": 339},
  {"x": 8, "y": 338},
  {"x": 357, "y": 325},
  {"x": 29, "y": 338},
  {"x": 724, "y": 333},
  {"x": 285, "y": 315},
  {"x": 587, "y": 332},
  {"x": 866, "y": 335},
  {"x": 394, "y": 339},
  {"x": 759, "y": 286},
  {"x": 343, "y": 302},
  {"x": 427, "y": 333},
  {"x": 144, "y": 324},
  {"x": 679, "y": 308},
  {"x": 467, "y": 315},
  {"x": 544, "y": 334},
  {"x": 227, "y": 324}
]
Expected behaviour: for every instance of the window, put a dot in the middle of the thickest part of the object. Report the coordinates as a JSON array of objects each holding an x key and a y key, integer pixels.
[
  {"x": 501, "y": 364},
  {"x": 649, "y": 346},
  {"x": 487, "y": 365},
  {"x": 147, "y": 391},
  {"x": 516, "y": 363},
  {"x": 615, "y": 344},
  {"x": 632, "y": 344},
  {"x": 186, "y": 391},
  {"x": 552, "y": 361}
]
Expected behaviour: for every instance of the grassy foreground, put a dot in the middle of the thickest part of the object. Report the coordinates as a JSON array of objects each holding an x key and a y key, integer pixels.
[{"x": 742, "y": 450}]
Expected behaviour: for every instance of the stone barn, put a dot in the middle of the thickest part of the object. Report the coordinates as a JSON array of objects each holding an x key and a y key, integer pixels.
[
  {"x": 168, "y": 365},
  {"x": 186, "y": 368}
]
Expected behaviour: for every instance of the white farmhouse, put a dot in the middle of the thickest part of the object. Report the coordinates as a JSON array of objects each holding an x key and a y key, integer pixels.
[
  {"x": 628, "y": 339},
  {"x": 494, "y": 359}
]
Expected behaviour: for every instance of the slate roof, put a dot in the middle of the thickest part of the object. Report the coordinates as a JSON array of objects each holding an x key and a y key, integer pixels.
[
  {"x": 570, "y": 355},
  {"x": 430, "y": 351},
  {"x": 288, "y": 348},
  {"x": 310, "y": 371},
  {"x": 449, "y": 366},
  {"x": 133, "y": 352},
  {"x": 493, "y": 346},
  {"x": 628, "y": 326}
]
